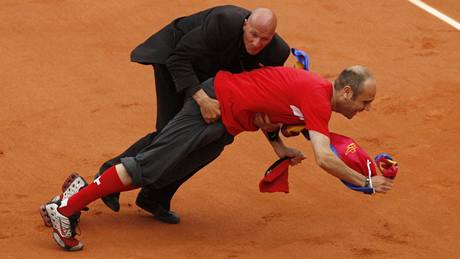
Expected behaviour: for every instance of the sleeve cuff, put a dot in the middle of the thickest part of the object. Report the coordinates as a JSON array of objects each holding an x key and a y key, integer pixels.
[
  {"x": 183, "y": 83},
  {"x": 190, "y": 91}
]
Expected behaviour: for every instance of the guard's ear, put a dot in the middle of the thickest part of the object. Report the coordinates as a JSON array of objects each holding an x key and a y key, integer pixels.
[{"x": 245, "y": 25}]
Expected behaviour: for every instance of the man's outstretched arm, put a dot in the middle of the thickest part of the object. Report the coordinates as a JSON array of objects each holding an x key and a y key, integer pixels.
[{"x": 328, "y": 161}]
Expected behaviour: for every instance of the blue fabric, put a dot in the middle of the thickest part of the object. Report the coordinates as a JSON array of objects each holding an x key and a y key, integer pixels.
[
  {"x": 302, "y": 57},
  {"x": 377, "y": 157}
]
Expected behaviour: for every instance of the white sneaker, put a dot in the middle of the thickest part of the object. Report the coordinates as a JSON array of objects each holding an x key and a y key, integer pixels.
[
  {"x": 64, "y": 228},
  {"x": 73, "y": 184}
]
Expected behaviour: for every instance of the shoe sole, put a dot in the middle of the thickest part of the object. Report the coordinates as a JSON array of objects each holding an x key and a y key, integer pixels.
[
  {"x": 45, "y": 214},
  {"x": 69, "y": 188},
  {"x": 173, "y": 218},
  {"x": 45, "y": 217},
  {"x": 61, "y": 243}
]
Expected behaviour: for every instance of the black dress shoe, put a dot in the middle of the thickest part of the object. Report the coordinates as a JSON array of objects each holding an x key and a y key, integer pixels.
[
  {"x": 112, "y": 200},
  {"x": 159, "y": 213}
]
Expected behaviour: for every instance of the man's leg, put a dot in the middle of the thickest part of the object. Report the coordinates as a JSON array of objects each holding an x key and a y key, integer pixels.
[
  {"x": 133, "y": 150},
  {"x": 156, "y": 198},
  {"x": 184, "y": 134},
  {"x": 64, "y": 213},
  {"x": 169, "y": 103}
]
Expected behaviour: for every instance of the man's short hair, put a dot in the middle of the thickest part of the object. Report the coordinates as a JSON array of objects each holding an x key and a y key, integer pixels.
[{"x": 354, "y": 76}]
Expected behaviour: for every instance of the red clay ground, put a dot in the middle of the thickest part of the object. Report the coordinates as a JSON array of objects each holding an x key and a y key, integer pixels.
[{"x": 72, "y": 99}]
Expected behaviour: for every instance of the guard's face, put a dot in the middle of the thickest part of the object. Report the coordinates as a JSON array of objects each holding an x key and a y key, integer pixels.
[
  {"x": 256, "y": 38},
  {"x": 351, "y": 105}
]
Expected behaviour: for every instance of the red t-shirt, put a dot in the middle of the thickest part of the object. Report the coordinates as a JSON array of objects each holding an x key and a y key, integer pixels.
[{"x": 287, "y": 95}]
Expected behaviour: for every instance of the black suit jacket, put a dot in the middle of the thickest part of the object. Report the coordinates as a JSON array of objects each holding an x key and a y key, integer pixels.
[{"x": 195, "y": 47}]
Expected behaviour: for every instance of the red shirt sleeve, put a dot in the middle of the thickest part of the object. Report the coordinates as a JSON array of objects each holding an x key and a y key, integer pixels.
[{"x": 316, "y": 108}]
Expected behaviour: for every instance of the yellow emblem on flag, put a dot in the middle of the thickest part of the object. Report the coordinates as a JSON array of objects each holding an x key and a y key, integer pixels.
[{"x": 352, "y": 148}]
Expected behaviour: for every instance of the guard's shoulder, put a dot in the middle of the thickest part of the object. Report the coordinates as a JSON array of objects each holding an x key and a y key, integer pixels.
[
  {"x": 231, "y": 9},
  {"x": 229, "y": 13},
  {"x": 227, "y": 19},
  {"x": 277, "y": 52},
  {"x": 280, "y": 44}
]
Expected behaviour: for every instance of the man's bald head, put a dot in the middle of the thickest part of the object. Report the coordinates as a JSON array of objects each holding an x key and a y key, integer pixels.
[
  {"x": 259, "y": 30},
  {"x": 356, "y": 77}
]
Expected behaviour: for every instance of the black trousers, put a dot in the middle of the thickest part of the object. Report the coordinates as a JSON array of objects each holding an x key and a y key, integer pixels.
[
  {"x": 169, "y": 103},
  {"x": 186, "y": 133},
  {"x": 165, "y": 188}
]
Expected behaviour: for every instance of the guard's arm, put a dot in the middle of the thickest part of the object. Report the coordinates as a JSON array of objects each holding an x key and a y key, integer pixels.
[{"x": 200, "y": 47}]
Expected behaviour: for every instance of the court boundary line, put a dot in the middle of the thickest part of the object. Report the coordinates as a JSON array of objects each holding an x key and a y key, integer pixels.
[{"x": 436, "y": 13}]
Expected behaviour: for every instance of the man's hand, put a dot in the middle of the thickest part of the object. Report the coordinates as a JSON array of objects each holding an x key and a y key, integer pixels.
[
  {"x": 382, "y": 184},
  {"x": 209, "y": 107},
  {"x": 263, "y": 122},
  {"x": 296, "y": 155}
]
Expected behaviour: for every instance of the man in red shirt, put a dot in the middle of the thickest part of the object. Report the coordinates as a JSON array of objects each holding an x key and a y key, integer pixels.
[
  {"x": 285, "y": 95},
  {"x": 292, "y": 96}
]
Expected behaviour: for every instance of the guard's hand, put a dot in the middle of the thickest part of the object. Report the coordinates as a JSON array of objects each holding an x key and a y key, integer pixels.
[
  {"x": 382, "y": 184},
  {"x": 262, "y": 121},
  {"x": 209, "y": 107}
]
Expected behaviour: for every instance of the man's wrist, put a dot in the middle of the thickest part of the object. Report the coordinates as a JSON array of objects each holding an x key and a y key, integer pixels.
[
  {"x": 273, "y": 135},
  {"x": 367, "y": 182}
]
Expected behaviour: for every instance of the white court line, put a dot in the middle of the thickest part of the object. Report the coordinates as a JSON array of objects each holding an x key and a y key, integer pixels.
[{"x": 436, "y": 13}]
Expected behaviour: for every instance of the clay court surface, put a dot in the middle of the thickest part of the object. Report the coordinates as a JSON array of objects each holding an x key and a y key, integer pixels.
[{"x": 72, "y": 99}]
